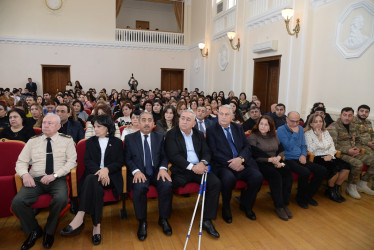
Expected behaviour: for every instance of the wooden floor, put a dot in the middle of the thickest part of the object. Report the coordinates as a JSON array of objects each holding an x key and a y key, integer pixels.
[{"x": 349, "y": 225}]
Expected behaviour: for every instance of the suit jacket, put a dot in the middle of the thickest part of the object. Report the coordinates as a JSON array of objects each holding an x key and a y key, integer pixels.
[
  {"x": 221, "y": 151},
  {"x": 113, "y": 160},
  {"x": 134, "y": 155},
  {"x": 75, "y": 130},
  {"x": 207, "y": 122},
  {"x": 176, "y": 150}
]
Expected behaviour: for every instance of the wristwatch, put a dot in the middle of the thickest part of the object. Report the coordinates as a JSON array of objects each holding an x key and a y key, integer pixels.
[
  {"x": 242, "y": 159},
  {"x": 55, "y": 175},
  {"x": 205, "y": 162}
]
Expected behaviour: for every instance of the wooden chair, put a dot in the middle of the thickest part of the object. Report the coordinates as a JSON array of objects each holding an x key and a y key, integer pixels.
[
  {"x": 77, "y": 174},
  {"x": 9, "y": 152}
]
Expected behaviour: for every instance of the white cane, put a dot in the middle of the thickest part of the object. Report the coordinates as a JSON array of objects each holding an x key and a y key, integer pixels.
[
  {"x": 202, "y": 210},
  {"x": 194, "y": 212}
]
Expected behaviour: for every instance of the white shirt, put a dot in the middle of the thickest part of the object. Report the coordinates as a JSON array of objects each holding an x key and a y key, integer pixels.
[{"x": 103, "y": 144}]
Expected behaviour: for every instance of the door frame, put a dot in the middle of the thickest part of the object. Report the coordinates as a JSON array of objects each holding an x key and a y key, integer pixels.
[
  {"x": 172, "y": 69},
  {"x": 45, "y": 66}
]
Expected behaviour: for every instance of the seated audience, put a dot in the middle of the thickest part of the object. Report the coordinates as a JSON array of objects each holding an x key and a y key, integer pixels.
[
  {"x": 148, "y": 165},
  {"x": 126, "y": 110},
  {"x": 50, "y": 107},
  {"x": 320, "y": 143},
  {"x": 346, "y": 139},
  {"x": 103, "y": 160},
  {"x": 37, "y": 116},
  {"x": 69, "y": 126},
  {"x": 254, "y": 115},
  {"x": 168, "y": 120},
  {"x": 243, "y": 102},
  {"x": 279, "y": 116},
  {"x": 52, "y": 156},
  {"x": 134, "y": 124},
  {"x": 268, "y": 153},
  {"x": 327, "y": 117},
  {"x": 232, "y": 161},
  {"x": 9, "y": 101},
  {"x": 237, "y": 117},
  {"x": 291, "y": 135},
  {"x": 79, "y": 110},
  {"x": 246, "y": 116},
  {"x": 19, "y": 129},
  {"x": 202, "y": 123},
  {"x": 100, "y": 109}
]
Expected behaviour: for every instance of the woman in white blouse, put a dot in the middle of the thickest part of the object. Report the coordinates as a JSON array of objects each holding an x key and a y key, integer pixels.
[{"x": 320, "y": 143}]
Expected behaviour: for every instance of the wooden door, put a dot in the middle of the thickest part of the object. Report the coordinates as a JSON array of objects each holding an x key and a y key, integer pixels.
[
  {"x": 266, "y": 81},
  {"x": 55, "y": 78},
  {"x": 172, "y": 79},
  {"x": 142, "y": 25}
]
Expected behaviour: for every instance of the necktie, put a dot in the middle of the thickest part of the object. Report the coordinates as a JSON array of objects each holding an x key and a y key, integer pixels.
[
  {"x": 49, "y": 161},
  {"x": 231, "y": 142},
  {"x": 201, "y": 128},
  {"x": 148, "y": 157}
]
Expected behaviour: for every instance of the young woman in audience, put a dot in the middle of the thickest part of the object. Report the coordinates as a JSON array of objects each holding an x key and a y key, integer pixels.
[
  {"x": 37, "y": 116},
  {"x": 168, "y": 120},
  {"x": 114, "y": 99},
  {"x": 320, "y": 143},
  {"x": 40, "y": 100},
  {"x": 148, "y": 106},
  {"x": 100, "y": 109},
  {"x": 9, "y": 101},
  {"x": 221, "y": 95},
  {"x": 90, "y": 97},
  {"x": 156, "y": 110},
  {"x": 18, "y": 130},
  {"x": 4, "y": 121},
  {"x": 22, "y": 105},
  {"x": 214, "y": 95},
  {"x": 79, "y": 110},
  {"x": 69, "y": 86},
  {"x": 327, "y": 118},
  {"x": 268, "y": 153},
  {"x": 78, "y": 86},
  {"x": 181, "y": 105},
  {"x": 214, "y": 105},
  {"x": 237, "y": 118},
  {"x": 125, "y": 119},
  {"x": 103, "y": 160},
  {"x": 134, "y": 124}
]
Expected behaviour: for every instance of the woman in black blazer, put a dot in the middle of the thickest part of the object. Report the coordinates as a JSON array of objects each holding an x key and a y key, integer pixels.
[{"x": 103, "y": 160}]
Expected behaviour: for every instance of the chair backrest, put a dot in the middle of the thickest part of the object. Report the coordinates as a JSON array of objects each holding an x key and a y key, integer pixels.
[
  {"x": 37, "y": 131},
  {"x": 9, "y": 152},
  {"x": 81, "y": 148},
  {"x": 122, "y": 128},
  {"x": 88, "y": 111}
]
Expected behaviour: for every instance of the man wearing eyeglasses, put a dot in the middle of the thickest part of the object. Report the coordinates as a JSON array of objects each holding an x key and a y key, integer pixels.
[{"x": 291, "y": 135}]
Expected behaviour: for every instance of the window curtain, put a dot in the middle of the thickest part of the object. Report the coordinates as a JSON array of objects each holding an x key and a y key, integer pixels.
[
  {"x": 118, "y": 6},
  {"x": 179, "y": 14}
]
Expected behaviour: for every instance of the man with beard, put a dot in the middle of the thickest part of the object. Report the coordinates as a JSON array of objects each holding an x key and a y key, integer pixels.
[{"x": 347, "y": 139}]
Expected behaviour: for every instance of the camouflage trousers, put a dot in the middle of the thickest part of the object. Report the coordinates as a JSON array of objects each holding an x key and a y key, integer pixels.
[{"x": 356, "y": 166}]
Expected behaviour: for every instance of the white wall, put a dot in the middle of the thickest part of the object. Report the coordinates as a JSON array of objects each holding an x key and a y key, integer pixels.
[
  {"x": 159, "y": 15},
  {"x": 93, "y": 67},
  {"x": 76, "y": 20}
]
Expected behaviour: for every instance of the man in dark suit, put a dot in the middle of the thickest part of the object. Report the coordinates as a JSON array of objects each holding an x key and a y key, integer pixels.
[
  {"x": 231, "y": 161},
  {"x": 189, "y": 154},
  {"x": 201, "y": 122},
  {"x": 69, "y": 126},
  {"x": 254, "y": 114},
  {"x": 146, "y": 159},
  {"x": 31, "y": 86}
]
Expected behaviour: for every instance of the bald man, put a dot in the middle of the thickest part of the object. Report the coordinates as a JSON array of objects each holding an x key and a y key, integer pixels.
[{"x": 291, "y": 135}]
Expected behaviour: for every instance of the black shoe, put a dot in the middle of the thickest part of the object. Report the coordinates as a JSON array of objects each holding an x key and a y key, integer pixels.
[
  {"x": 281, "y": 213},
  {"x": 248, "y": 212},
  {"x": 330, "y": 192},
  {"x": 33, "y": 236},
  {"x": 208, "y": 226},
  {"x": 288, "y": 212},
  {"x": 337, "y": 191},
  {"x": 48, "y": 240},
  {"x": 142, "y": 230},
  {"x": 302, "y": 203},
  {"x": 226, "y": 215},
  {"x": 69, "y": 231},
  {"x": 166, "y": 228},
  {"x": 312, "y": 202},
  {"x": 96, "y": 239}
]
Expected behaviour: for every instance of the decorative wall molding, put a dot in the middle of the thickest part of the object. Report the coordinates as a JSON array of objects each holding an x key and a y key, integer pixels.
[
  {"x": 269, "y": 16},
  {"x": 223, "y": 57},
  {"x": 318, "y": 3},
  {"x": 355, "y": 31},
  {"x": 265, "y": 46},
  {"x": 91, "y": 44},
  {"x": 224, "y": 22}
]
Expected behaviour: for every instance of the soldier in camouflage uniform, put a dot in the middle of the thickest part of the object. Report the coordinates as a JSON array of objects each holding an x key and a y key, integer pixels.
[
  {"x": 346, "y": 139},
  {"x": 365, "y": 129}
]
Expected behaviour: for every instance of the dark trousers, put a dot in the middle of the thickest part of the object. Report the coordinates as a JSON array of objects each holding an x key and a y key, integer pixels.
[
  {"x": 165, "y": 196},
  {"x": 307, "y": 190},
  {"x": 280, "y": 182},
  {"x": 333, "y": 167},
  {"x": 228, "y": 177},
  {"x": 21, "y": 204},
  {"x": 91, "y": 197},
  {"x": 213, "y": 187}
]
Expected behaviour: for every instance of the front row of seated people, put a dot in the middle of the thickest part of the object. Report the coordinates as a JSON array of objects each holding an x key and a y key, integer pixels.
[{"x": 226, "y": 149}]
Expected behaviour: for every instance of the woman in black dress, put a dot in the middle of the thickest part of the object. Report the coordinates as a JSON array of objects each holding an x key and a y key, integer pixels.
[{"x": 18, "y": 130}]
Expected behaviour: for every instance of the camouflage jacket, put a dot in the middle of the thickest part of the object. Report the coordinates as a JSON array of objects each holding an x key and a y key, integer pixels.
[
  {"x": 342, "y": 139},
  {"x": 364, "y": 129}
]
